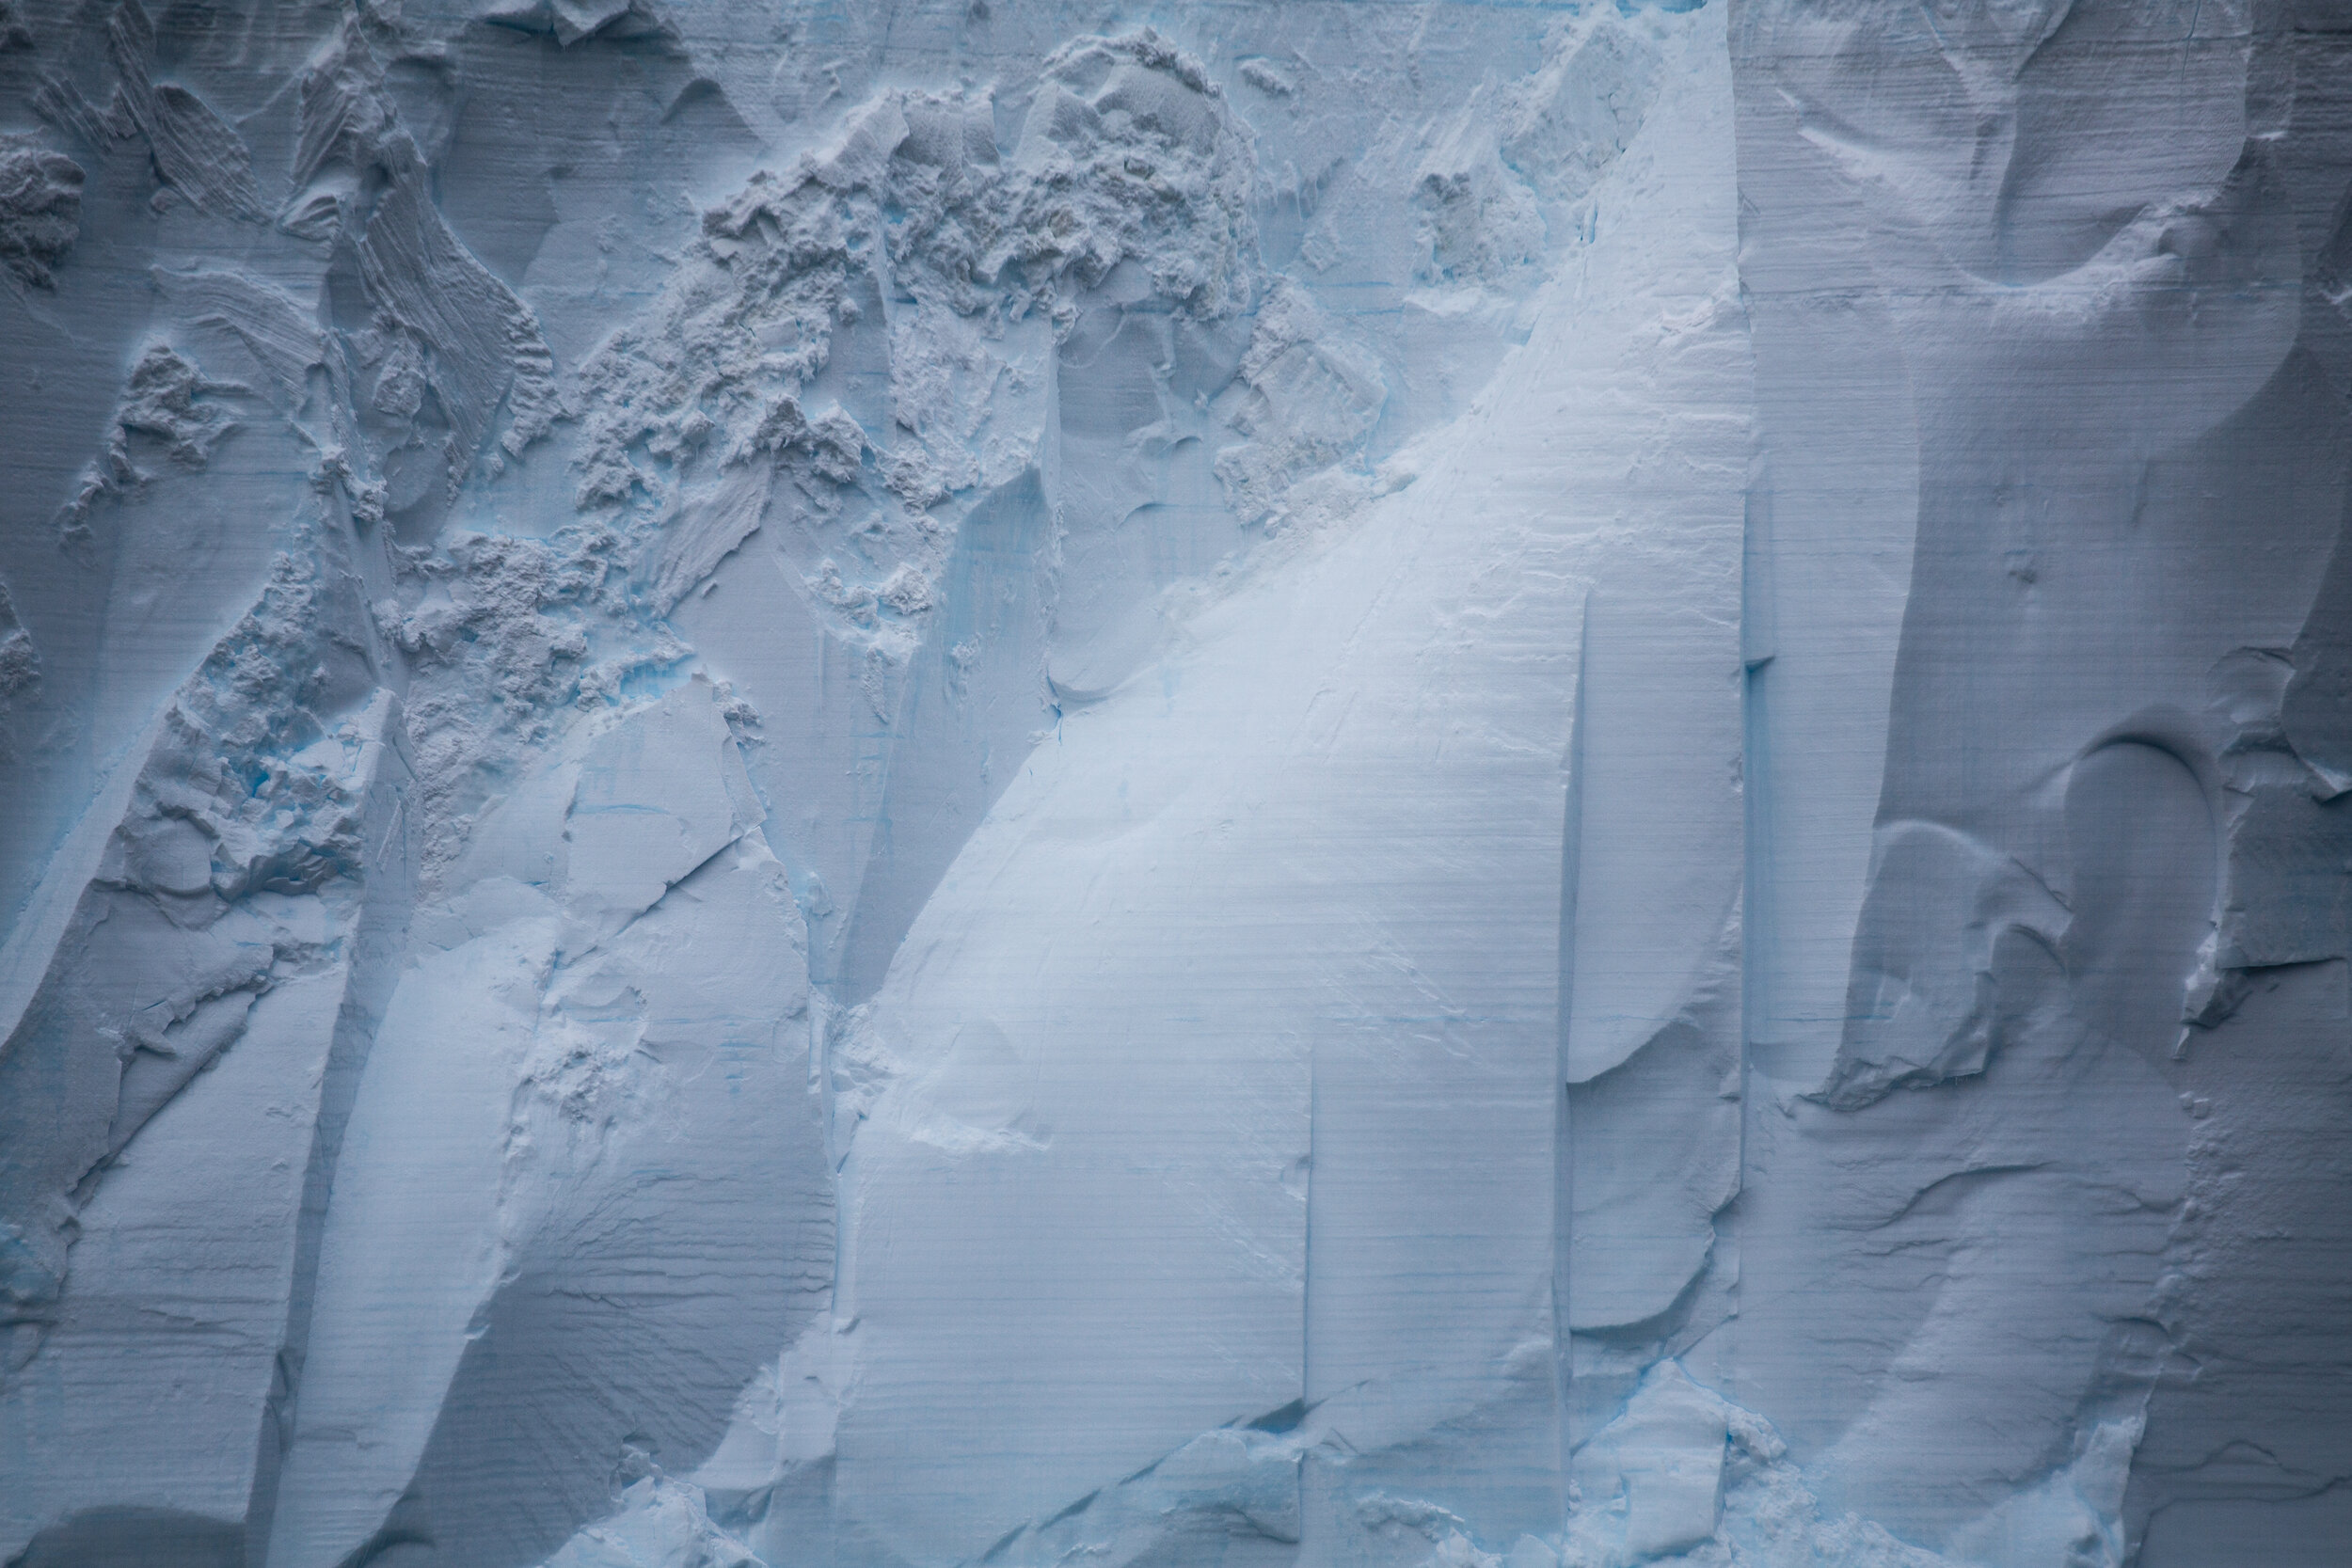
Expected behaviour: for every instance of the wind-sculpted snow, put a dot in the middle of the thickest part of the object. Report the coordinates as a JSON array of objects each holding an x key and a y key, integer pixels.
[{"x": 1319, "y": 784}]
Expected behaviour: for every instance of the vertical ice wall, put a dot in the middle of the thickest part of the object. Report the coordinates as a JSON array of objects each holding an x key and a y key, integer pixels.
[
  {"x": 2047, "y": 862},
  {"x": 1314, "y": 784}
]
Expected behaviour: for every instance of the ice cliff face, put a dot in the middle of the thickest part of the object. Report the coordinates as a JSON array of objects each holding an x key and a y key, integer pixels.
[{"x": 1324, "y": 784}]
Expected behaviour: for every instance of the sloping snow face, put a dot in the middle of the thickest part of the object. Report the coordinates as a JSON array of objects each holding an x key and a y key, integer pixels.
[{"x": 1312, "y": 786}]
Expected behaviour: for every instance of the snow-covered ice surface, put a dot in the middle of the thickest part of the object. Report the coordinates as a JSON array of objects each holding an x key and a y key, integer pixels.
[{"x": 1327, "y": 784}]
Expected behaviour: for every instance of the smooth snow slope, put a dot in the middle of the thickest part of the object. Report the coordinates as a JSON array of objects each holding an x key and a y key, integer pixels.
[{"x": 1345, "y": 782}]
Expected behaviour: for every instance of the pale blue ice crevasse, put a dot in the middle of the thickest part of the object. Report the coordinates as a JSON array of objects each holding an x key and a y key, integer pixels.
[{"x": 1308, "y": 783}]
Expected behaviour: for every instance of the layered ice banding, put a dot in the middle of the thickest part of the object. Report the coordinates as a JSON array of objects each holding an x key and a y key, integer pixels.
[{"x": 1323, "y": 783}]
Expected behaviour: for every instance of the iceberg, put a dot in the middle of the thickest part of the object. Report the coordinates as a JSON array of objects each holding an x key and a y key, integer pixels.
[{"x": 1306, "y": 786}]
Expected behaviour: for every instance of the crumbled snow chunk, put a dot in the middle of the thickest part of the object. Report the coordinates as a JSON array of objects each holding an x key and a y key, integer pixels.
[{"x": 41, "y": 209}]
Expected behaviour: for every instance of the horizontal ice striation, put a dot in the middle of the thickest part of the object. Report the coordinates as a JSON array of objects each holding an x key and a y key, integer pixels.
[{"x": 1321, "y": 784}]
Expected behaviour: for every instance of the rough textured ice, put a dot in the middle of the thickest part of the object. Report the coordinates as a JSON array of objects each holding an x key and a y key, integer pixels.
[{"x": 1327, "y": 784}]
